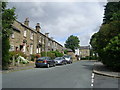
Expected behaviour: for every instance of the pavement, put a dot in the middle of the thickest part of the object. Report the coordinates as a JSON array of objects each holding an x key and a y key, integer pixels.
[
  {"x": 20, "y": 67},
  {"x": 101, "y": 69}
]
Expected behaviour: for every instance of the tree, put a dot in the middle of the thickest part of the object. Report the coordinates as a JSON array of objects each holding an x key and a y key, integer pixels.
[
  {"x": 72, "y": 43},
  {"x": 107, "y": 38},
  {"x": 8, "y": 17},
  {"x": 112, "y": 12}
]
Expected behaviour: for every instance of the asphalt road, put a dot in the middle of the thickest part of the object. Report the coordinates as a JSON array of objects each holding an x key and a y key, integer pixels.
[
  {"x": 76, "y": 75},
  {"x": 105, "y": 82}
]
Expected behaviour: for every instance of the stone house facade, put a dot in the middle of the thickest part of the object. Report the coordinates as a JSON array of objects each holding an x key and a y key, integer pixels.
[
  {"x": 84, "y": 51},
  {"x": 31, "y": 41}
]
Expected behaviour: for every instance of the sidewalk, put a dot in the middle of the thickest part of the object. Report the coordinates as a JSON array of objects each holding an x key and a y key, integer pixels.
[
  {"x": 22, "y": 67},
  {"x": 100, "y": 69}
]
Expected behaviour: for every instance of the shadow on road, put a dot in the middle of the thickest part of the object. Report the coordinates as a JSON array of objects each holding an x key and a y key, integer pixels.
[{"x": 89, "y": 67}]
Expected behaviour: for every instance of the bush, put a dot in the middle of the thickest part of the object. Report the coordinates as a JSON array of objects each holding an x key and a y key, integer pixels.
[
  {"x": 5, "y": 52},
  {"x": 57, "y": 53},
  {"x": 111, "y": 53},
  {"x": 90, "y": 58},
  {"x": 51, "y": 54},
  {"x": 43, "y": 54},
  {"x": 16, "y": 54},
  {"x": 33, "y": 56},
  {"x": 37, "y": 55}
]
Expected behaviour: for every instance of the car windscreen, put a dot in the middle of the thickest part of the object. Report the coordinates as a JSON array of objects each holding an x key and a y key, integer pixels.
[
  {"x": 58, "y": 58},
  {"x": 43, "y": 58},
  {"x": 66, "y": 56}
]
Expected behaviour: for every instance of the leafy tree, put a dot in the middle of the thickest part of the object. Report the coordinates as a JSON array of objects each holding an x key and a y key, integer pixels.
[
  {"x": 112, "y": 12},
  {"x": 72, "y": 43},
  {"x": 107, "y": 33},
  {"x": 93, "y": 42},
  {"x": 8, "y": 16}
]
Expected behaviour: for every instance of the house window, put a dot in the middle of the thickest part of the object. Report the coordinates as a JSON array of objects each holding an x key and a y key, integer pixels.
[
  {"x": 13, "y": 36},
  {"x": 31, "y": 35},
  {"x": 48, "y": 43},
  {"x": 39, "y": 41},
  {"x": 25, "y": 32},
  {"x": 12, "y": 48},
  {"x": 31, "y": 49},
  {"x": 24, "y": 48},
  {"x": 39, "y": 50}
]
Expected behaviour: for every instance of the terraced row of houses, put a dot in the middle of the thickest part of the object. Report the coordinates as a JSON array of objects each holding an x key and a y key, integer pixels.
[{"x": 31, "y": 41}]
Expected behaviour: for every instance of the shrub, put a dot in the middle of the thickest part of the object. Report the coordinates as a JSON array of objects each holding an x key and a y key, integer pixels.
[
  {"x": 16, "y": 54},
  {"x": 111, "y": 53},
  {"x": 33, "y": 56},
  {"x": 37, "y": 55},
  {"x": 43, "y": 54},
  {"x": 51, "y": 54}
]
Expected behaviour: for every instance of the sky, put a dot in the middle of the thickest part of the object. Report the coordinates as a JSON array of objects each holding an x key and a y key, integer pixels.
[{"x": 62, "y": 19}]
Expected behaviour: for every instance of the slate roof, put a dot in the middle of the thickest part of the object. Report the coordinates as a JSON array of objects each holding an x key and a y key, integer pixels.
[{"x": 84, "y": 47}]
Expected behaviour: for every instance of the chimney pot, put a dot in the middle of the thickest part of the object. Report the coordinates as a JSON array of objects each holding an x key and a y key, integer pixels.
[
  {"x": 46, "y": 34},
  {"x": 26, "y": 22},
  {"x": 38, "y": 27}
]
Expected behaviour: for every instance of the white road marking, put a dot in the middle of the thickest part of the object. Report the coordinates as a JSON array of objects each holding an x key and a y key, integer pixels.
[
  {"x": 93, "y": 75},
  {"x": 92, "y": 80},
  {"x": 92, "y": 85}
]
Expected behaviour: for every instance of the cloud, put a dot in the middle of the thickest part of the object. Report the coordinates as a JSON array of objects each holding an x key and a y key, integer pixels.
[{"x": 62, "y": 19}]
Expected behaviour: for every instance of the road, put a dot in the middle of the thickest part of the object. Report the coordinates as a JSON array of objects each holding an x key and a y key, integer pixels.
[
  {"x": 105, "y": 82},
  {"x": 76, "y": 75}
]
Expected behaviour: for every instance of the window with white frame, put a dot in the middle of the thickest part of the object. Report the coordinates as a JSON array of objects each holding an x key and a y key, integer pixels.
[
  {"x": 48, "y": 43},
  {"x": 25, "y": 33},
  {"x": 31, "y": 35},
  {"x": 31, "y": 49},
  {"x": 12, "y": 35},
  {"x": 24, "y": 47},
  {"x": 12, "y": 48}
]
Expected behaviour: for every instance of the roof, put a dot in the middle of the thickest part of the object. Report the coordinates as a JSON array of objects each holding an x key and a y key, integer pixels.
[
  {"x": 27, "y": 27},
  {"x": 84, "y": 47},
  {"x": 36, "y": 32},
  {"x": 69, "y": 50},
  {"x": 16, "y": 29}
]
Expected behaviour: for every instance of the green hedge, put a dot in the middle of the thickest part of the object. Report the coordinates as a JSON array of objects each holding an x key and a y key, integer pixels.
[
  {"x": 90, "y": 58},
  {"x": 51, "y": 54},
  {"x": 111, "y": 53}
]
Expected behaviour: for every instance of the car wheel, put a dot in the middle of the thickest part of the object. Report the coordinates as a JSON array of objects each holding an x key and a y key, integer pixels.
[
  {"x": 65, "y": 63},
  {"x": 54, "y": 64},
  {"x": 48, "y": 65},
  {"x": 36, "y": 66}
]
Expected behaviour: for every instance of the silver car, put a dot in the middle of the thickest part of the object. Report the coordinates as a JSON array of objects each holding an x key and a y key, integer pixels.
[{"x": 60, "y": 61}]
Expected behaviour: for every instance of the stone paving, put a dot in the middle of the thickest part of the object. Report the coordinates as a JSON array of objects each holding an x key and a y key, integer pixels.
[{"x": 101, "y": 69}]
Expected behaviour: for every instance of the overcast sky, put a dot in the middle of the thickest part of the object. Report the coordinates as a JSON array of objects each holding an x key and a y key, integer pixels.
[{"x": 62, "y": 19}]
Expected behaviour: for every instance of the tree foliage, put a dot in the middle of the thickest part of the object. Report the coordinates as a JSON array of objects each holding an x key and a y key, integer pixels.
[
  {"x": 8, "y": 16},
  {"x": 107, "y": 38},
  {"x": 72, "y": 43},
  {"x": 112, "y": 12}
]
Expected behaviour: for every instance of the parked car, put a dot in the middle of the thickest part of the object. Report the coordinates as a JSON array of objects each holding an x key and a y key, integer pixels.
[
  {"x": 60, "y": 61},
  {"x": 68, "y": 58},
  {"x": 44, "y": 62}
]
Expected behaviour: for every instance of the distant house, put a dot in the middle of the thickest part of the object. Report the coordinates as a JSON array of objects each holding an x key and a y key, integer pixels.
[{"x": 84, "y": 51}]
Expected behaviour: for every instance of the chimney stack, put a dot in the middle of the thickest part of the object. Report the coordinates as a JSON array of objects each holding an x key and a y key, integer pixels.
[
  {"x": 38, "y": 27},
  {"x": 26, "y": 22},
  {"x": 46, "y": 34}
]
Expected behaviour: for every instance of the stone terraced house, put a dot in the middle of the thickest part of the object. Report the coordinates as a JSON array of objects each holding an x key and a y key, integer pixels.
[
  {"x": 31, "y": 41},
  {"x": 84, "y": 51}
]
